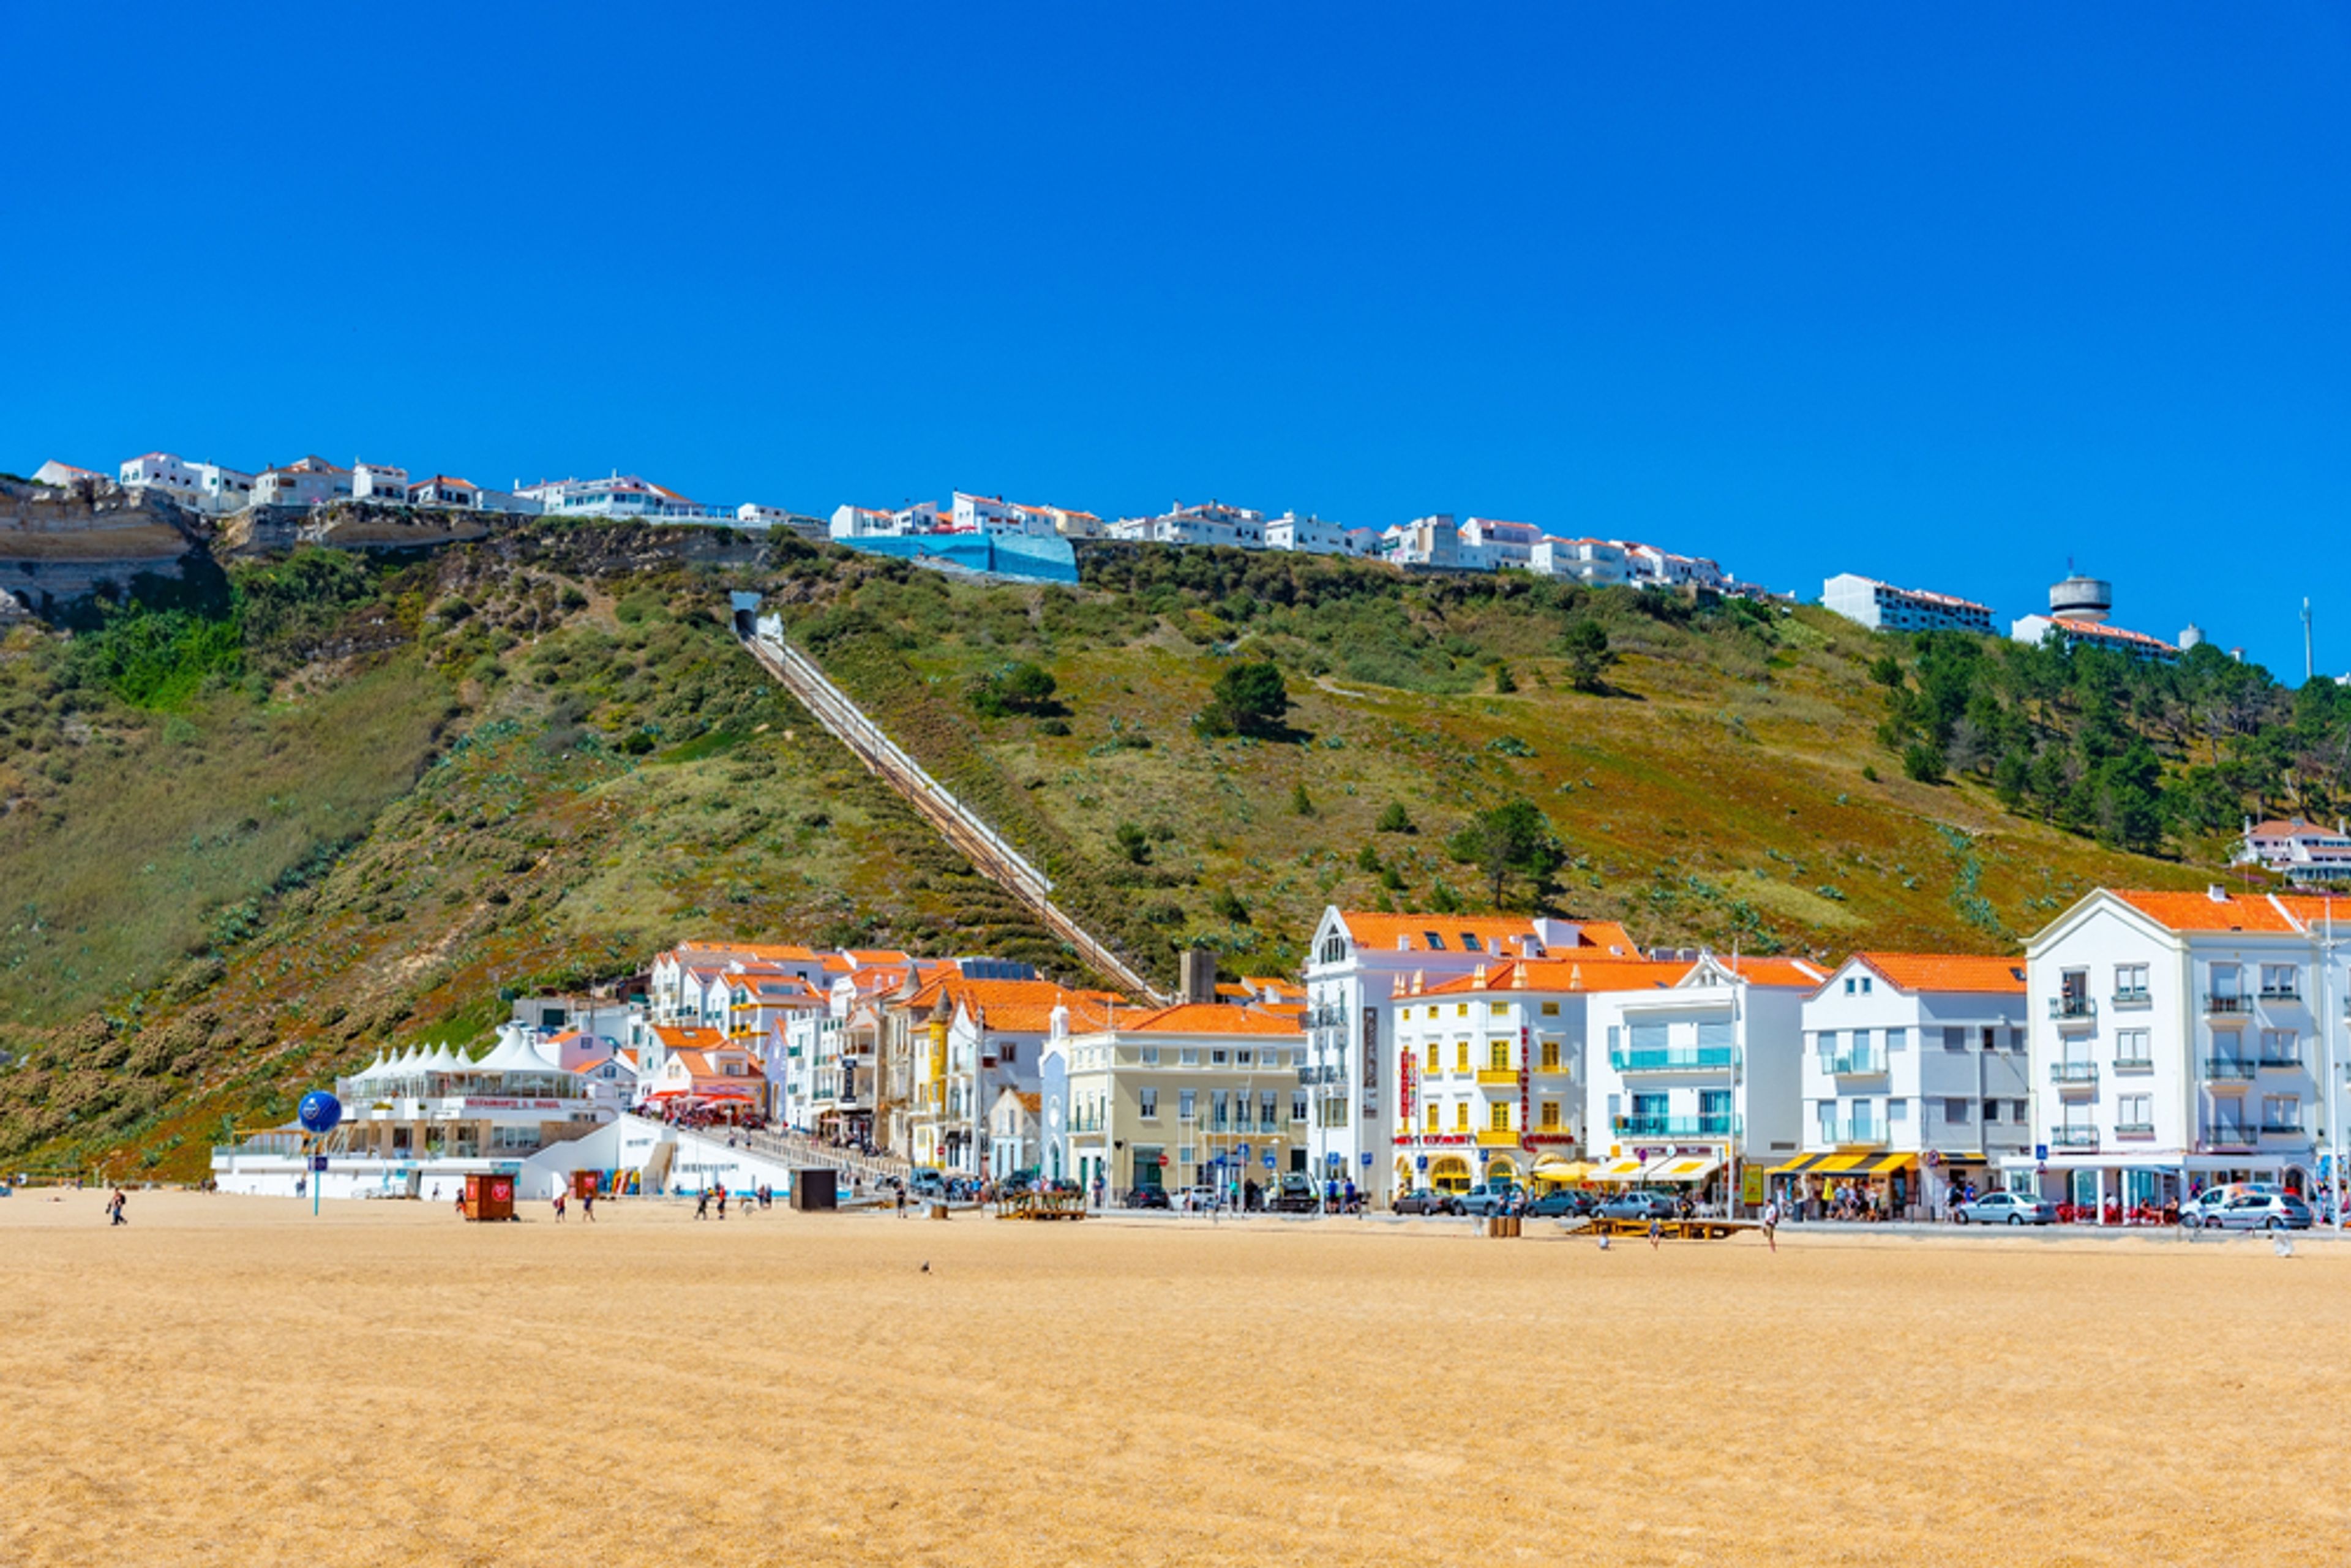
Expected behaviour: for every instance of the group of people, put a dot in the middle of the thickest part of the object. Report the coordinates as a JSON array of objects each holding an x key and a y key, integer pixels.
[{"x": 760, "y": 1196}]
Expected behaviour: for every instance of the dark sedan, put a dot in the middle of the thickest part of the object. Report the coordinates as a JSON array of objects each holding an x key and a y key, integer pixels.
[
  {"x": 1426, "y": 1200},
  {"x": 1640, "y": 1205}
]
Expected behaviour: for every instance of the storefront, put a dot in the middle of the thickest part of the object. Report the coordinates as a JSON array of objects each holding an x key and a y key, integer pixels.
[{"x": 1853, "y": 1185}]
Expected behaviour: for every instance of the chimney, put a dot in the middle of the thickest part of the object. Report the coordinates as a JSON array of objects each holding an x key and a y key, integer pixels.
[
  {"x": 2216, "y": 892},
  {"x": 1199, "y": 975}
]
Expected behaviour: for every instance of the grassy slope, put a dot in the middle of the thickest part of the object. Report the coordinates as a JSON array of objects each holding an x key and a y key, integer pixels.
[{"x": 1715, "y": 795}]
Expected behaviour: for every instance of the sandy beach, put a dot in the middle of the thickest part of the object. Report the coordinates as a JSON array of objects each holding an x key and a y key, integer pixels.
[{"x": 228, "y": 1380}]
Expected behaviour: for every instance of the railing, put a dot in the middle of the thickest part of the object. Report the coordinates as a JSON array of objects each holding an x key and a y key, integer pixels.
[
  {"x": 2082, "y": 1074},
  {"x": 2221, "y": 1005},
  {"x": 2073, "y": 1137},
  {"x": 2139, "y": 998},
  {"x": 1854, "y": 1064},
  {"x": 2279, "y": 1129},
  {"x": 2072, "y": 1010},
  {"x": 2134, "y": 1064},
  {"x": 2134, "y": 1129},
  {"x": 1675, "y": 1126},
  {"x": 1671, "y": 1059},
  {"x": 2281, "y": 993},
  {"x": 1505, "y": 1138},
  {"x": 1850, "y": 1133},
  {"x": 2227, "y": 1069},
  {"x": 1499, "y": 1076},
  {"x": 2286, "y": 1060},
  {"x": 2235, "y": 1137}
]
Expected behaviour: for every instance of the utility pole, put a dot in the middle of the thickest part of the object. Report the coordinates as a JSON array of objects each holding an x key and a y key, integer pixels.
[{"x": 2309, "y": 666}]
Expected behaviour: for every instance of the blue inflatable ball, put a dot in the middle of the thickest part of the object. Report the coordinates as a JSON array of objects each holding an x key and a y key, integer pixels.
[{"x": 319, "y": 1112}]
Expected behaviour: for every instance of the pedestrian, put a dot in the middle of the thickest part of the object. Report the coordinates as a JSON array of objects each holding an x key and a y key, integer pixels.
[
  {"x": 1657, "y": 1231},
  {"x": 558, "y": 1205},
  {"x": 722, "y": 1200},
  {"x": 702, "y": 1205},
  {"x": 901, "y": 1200},
  {"x": 301, "y": 1185},
  {"x": 588, "y": 1205},
  {"x": 114, "y": 1208},
  {"x": 1771, "y": 1224}
]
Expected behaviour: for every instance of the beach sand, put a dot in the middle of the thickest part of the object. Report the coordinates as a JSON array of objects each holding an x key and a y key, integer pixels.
[{"x": 230, "y": 1381}]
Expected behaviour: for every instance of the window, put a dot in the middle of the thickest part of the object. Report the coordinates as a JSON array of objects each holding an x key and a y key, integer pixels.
[
  {"x": 1866, "y": 984},
  {"x": 1461, "y": 1009},
  {"x": 1241, "y": 1058},
  {"x": 1011, "y": 1051},
  {"x": 1551, "y": 1056},
  {"x": 1146, "y": 1099},
  {"x": 1549, "y": 1112},
  {"x": 1498, "y": 1009},
  {"x": 1266, "y": 1103},
  {"x": 1612, "y": 1037},
  {"x": 2280, "y": 982},
  {"x": 2281, "y": 1114},
  {"x": 1187, "y": 1103},
  {"x": 2016, "y": 1037},
  {"x": 1220, "y": 1111},
  {"x": 1988, "y": 1038},
  {"x": 2131, "y": 1049},
  {"x": 1433, "y": 1069},
  {"x": 1149, "y": 1055},
  {"x": 1991, "y": 1111},
  {"x": 1954, "y": 1112},
  {"x": 2130, "y": 983},
  {"x": 1825, "y": 1115},
  {"x": 2281, "y": 1048},
  {"x": 1191, "y": 1056},
  {"x": 1297, "y": 1105},
  {"x": 1460, "y": 1056},
  {"x": 2134, "y": 1114},
  {"x": 1648, "y": 1037},
  {"x": 1898, "y": 1110},
  {"x": 1848, "y": 985},
  {"x": 1828, "y": 1041},
  {"x": 1955, "y": 1037},
  {"x": 1898, "y": 1040},
  {"x": 1436, "y": 943},
  {"x": 1551, "y": 1010},
  {"x": 1498, "y": 1055},
  {"x": 1461, "y": 1115},
  {"x": 1469, "y": 942},
  {"x": 1429, "y": 1118}
]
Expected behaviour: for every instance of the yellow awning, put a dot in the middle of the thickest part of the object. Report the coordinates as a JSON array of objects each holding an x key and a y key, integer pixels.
[
  {"x": 1683, "y": 1169},
  {"x": 1625, "y": 1167},
  {"x": 1560, "y": 1170},
  {"x": 1798, "y": 1165},
  {"x": 1864, "y": 1164}
]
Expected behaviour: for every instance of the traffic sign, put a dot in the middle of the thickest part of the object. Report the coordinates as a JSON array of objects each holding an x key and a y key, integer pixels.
[
  {"x": 1268, "y": 1162},
  {"x": 1420, "y": 1162},
  {"x": 317, "y": 1162},
  {"x": 1367, "y": 1159},
  {"x": 2039, "y": 1150},
  {"x": 1241, "y": 1149},
  {"x": 1163, "y": 1162}
]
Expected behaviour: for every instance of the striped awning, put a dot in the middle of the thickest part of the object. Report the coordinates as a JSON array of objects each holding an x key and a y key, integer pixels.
[{"x": 1625, "y": 1167}]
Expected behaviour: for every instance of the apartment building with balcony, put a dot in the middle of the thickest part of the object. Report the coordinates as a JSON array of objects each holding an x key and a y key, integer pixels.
[
  {"x": 1199, "y": 1093},
  {"x": 2180, "y": 1040},
  {"x": 1883, "y": 607},
  {"x": 1359, "y": 963},
  {"x": 1491, "y": 1066},
  {"x": 1916, "y": 1079},
  {"x": 1701, "y": 1083}
]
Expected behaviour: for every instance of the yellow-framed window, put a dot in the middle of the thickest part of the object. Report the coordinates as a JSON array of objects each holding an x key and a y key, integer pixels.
[
  {"x": 1498, "y": 1117},
  {"x": 1551, "y": 1056},
  {"x": 1430, "y": 1119},
  {"x": 1461, "y": 1115},
  {"x": 1498, "y": 1055},
  {"x": 1549, "y": 1112},
  {"x": 1460, "y": 1056},
  {"x": 1433, "y": 1064}
]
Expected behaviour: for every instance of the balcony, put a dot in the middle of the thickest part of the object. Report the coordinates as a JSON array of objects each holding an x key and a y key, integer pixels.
[
  {"x": 2073, "y": 1137},
  {"x": 2135, "y": 1132},
  {"x": 2074, "y": 1012},
  {"x": 1675, "y": 1126},
  {"x": 2275, "y": 1060},
  {"x": 2074, "y": 1076},
  {"x": 2227, "y": 1069},
  {"x": 2220, "y": 1005},
  {"x": 2134, "y": 1064},
  {"x": 1854, "y": 1064},
  {"x": 2281, "y": 1129},
  {"x": 1851, "y": 1134},
  {"x": 2230, "y": 1137},
  {"x": 2137, "y": 1000},
  {"x": 1505, "y": 1138},
  {"x": 2285, "y": 996},
  {"x": 1499, "y": 1077},
  {"x": 1672, "y": 1059}
]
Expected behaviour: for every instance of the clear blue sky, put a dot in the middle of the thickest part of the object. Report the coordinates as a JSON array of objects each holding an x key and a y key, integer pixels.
[{"x": 1941, "y": 294}]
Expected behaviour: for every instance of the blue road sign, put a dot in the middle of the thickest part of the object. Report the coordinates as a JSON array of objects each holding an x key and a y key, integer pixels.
[
  {"x": 1241, "y": 1149},
  {"x": 1268, "y": 1162},
  {"x": 1420, "y": 1162},
  {"x": 2039, "y": 1150},
  {"x": 1367, "y": 1159}
]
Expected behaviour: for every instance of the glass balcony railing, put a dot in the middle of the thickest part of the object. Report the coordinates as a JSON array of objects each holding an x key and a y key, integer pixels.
[
  {"x": 1717, "y": 1126},
  {"x": 2073, "y": 1137},
  {"x": 2134, "y": 997},
  {"x": 2084, "y": 1074},
  {"x": 1849, "y": 1134},
  {"x": 2228, "y": 1069},
  {"x": 2275, "y": 1059},
  {"x": 2072, "y": 1010},
  {"x": 1855, "y": 1063},
  {"x": 2229, "y": 1135},
  {"x": 1672, "y": 1059},
  {"x": 2227, "y": 1004}
]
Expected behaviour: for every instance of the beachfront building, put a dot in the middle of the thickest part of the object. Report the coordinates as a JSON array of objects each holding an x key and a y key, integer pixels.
[
  {"x": 1883, "y": 607},
  {"x": 979, "y": 1038},
  {"x": 1916, "y": 1081},
  {"x": 309, "y": 482},
  {"x": 1491, "y": 1066},
  {"x": 1199, "y": 1093},
  {"x": 2300, "y": 851},
  {"x": 416, "y": 1125},
  {"x": 2179, "y": 1040},
  {"x": 1599, "y": 562},
  {"x": 1357, "y": 963},
  {"x": 1309, "y": 535},
  {"x": 1015, "y": 1140},
  {"x": 1491, "y": 543},
  {"x": 1700, "y": 1084}
]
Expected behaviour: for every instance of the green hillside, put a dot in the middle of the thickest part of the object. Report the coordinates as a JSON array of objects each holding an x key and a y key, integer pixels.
[{"x": 258, "y": 826}]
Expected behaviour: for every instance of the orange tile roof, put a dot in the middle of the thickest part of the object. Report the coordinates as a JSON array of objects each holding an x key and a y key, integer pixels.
[
  {"x": 1557, "y": 975},
  {"x": 1773, "y": 971},
  {"x": 1946, "y": 971},
  {"x": 2201, "y": 912},
  {"x": 1019, "y": 1006},
  {"x": 1372, "y": 929},
  {"x": 1205, "y": 1018},
  {"x": 686, "y": 1037}
]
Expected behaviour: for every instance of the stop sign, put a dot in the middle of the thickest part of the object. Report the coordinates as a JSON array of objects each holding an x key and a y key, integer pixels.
[{"x": 1163, "y": 1162}]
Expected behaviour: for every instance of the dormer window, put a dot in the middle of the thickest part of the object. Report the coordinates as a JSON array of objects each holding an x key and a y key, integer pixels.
[
  {"x": 1469, "y": 942},
  {"x": 1436, "y": 941}
]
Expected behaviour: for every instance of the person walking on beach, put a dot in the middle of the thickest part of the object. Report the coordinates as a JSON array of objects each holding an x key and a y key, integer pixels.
[
  {"x": 702, "y": 1205},
  {"x": 588, "y": 1205},
  {"x": 558, "y": 1205},
  {"x": 1771, "y": 1224},
  {"x": 722, "y": 1200},
  {"x": 1657, "y": 1231},
  {"x": 114, "y": 1208}
]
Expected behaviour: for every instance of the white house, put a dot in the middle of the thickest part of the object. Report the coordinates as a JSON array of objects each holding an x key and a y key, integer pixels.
[
  {"x": 1492, "y": 544},
  {"x": 1649, "y": 566},
  {"x": 1701, "y": 1083},
  {"x": 1357, "y": 962},
  {"x": 64, "y": 476},
  {"x": 1309, "y": 536},
  {"x": 2298, "y": 850},
  {"x": 2085, "y": 633},
  {"x": 378, "y": 482},
  {"x": 1599, "y": 562},
  {"x": 1916, "y": 1079},
  {"x": 618, "y": 496},
  {"x": 867, "y": 522},
  {"x": 1883, "y": 607},
  {"x": 1432, "y": 540},
  {"x": 2181, "y": 1039},
  {"x": 311, "y": 482},
  {"x": 443, "y": 490},
  {"x": 1206, "y": 523},
  {"x": 164, "y": 474}
]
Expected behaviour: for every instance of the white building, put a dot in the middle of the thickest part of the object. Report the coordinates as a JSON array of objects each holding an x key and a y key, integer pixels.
[
  {"x": 311, "y": 482},
  {"x": 1647, "y": 566},
  {"x": 994, "y": 515},
  {"x": 2181, "y": 1039},
  {"x": 1433, "y": 541},
  {"x": 1309, "y": 536},
  {"x": 1491, "y": 543},
  {"x": 64, "y": 475},
  {"x": 870, "y": 522},
  {"x": 443, "y": 490},
  {"x": 379, "y": 482},
  {"x": 1599, "y": 562},
  {"x": 751, "y": 514},
  {"x": 2298, "y": 850},
  {"x": 1357, "y": 965},
  {"x": 1199, "y": 1093},
  {"x": 164, "y": 474},
  {"x": 1207, "y": 523},
  {"x": 1882, "y": 607},
  {"x": 1701, "y": 1083},
  {"x": 2078, "y": 608},
  {"x": 1916, "y": 1079},
  {"x": 619, "y": 496}
]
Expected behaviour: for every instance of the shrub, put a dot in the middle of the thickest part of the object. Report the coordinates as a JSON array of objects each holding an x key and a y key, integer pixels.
[
  {"x": 1226, "y": 904},
  {"x": 1249, "y": 699},
  {"x": 1395, "y": 819}
]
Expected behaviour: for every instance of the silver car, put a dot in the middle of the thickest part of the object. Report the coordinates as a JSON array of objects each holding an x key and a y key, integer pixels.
[
  {"x": 2006, "y": 1208},
  {"x": 2261, "y": 1211}
]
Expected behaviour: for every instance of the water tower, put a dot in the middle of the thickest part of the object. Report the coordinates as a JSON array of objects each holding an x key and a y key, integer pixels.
[{"x": 2082, "y": 598}]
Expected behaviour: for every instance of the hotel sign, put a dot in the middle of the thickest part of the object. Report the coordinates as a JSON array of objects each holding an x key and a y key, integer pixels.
[{"x": 472, "y": 1104}]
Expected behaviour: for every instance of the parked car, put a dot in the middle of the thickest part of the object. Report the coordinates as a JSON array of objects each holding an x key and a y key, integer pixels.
[
  {"x": 2261, "y": 1211},
  {"x": 2006, "y": 1208},
  {"x": 1296, "y": 1194},
  {"x": 1424, "y": 1200},
  {"x": 1487, "y": 1197},
  {"x": 1640, "y": 1205},
  {"x": 1196, "y": 1199},
  {"x": 2200, "y": 1211},
  {"x": 1146, "y": 1197},
  {"x": 929, "y": 1181},
  {"x": 1563, "y": 1203}
]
